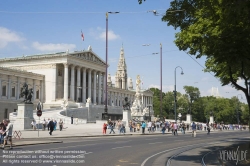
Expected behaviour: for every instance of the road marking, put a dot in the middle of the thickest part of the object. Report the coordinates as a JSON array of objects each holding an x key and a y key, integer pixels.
[
  {"x": 155, "y": 143},
  {"x": 121, "y": 147},
  {"x": 88, "y": 153},
  {"x": 122, "y": 141},
  {"x": 122, "y": 161}
]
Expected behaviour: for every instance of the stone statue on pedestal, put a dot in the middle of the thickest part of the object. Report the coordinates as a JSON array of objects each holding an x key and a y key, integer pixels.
[
  {"x": 137, "y": 108},
  {"x": 26, "y": 93},
  {"x": 126, "y": 106},
  {"x": 89, "y": 100}
]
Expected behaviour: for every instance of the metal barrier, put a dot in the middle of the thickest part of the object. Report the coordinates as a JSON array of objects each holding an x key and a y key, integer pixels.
[{"x": 17, "y": 134}]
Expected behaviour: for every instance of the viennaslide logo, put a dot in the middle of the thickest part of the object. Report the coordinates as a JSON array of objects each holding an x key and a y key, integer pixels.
[{"x": 233, "y": 155}]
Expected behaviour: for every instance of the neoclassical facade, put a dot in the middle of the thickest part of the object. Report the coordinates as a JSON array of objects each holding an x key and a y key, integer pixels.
[
  {"x": 75, "y": 77},
  {"x": 11, "y": 81}
]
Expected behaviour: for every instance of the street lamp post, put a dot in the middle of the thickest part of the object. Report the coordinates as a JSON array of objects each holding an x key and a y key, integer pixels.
[
  {"x": 160, "y": 75},
  {"x": 105, "y": 116},
  {"x": 175, "y": 89}
]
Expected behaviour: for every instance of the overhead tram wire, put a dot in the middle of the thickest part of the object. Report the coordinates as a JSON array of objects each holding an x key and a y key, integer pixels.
[
  {"x": 23, "y": 12},
  {"x": 200, "y": 65}
]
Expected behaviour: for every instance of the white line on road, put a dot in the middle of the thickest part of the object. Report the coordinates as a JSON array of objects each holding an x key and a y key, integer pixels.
[
  {"x": 121, "y": 147},
  {"x": 155, "y": 143}
]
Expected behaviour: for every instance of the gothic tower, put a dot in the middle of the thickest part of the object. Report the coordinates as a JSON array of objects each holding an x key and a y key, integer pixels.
[{"x": 121, "y": 73}]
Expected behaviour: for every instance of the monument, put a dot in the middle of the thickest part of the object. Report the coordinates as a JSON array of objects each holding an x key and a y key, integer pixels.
[
  {"x": 126, "y": 112},
  {"x": 137, "y": 110},
  {"x": 25, "y": 109}
]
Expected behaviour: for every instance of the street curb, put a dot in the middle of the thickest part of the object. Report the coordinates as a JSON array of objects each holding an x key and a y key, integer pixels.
[{"x": 107, "y": 135}]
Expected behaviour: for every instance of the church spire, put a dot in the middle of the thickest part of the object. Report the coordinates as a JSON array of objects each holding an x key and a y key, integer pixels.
[{"x": 121, "y": 73}]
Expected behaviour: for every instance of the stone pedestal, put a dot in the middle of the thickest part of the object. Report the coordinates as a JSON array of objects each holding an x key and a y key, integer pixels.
[
  {"x": 89, "y": 116},
  {"x": 189, "y": 118},
  {"x": 211, "y": 120},
  {"x": 126, "y": 117},
  {"x": 24, "y": 117}
]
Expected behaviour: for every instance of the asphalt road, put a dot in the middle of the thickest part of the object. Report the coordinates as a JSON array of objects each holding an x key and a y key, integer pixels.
[{"x": 141, "y": 150}]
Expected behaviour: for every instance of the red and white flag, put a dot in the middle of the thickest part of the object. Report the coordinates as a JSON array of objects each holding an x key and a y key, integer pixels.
[{"x": 82, "y": 36}]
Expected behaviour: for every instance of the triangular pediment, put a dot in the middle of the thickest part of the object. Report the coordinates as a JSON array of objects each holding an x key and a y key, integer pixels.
[
  {"x": 149, "y": 91},
  {"x": 89, "y": 56}
]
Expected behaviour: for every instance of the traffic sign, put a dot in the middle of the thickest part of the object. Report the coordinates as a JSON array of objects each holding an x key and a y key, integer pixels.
[{"x": 39, "y": 113}]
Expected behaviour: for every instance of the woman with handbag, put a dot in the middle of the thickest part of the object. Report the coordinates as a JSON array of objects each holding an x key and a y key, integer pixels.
[{"x": 104, "y": 128}]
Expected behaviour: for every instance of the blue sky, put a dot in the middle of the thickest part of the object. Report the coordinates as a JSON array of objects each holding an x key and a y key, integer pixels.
[{"x": 35, "y": 27}]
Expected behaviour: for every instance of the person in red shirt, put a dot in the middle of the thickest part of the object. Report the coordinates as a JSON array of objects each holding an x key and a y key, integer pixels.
[{"x": 104, "y": 128}]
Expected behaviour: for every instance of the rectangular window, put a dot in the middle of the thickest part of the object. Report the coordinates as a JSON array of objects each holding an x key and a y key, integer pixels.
[
  {"x": 4, "y": 90},
  {"x": 37, "y": 94},
  {"x": 6, "y": 113},
  {"x": 13, "y": 91}
]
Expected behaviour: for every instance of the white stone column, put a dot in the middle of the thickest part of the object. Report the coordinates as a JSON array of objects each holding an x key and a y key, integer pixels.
[
  {"x": 66, "y": 82},
  {"x": 34, "y": 90},
  {"x": 99, "y": 88},
  {"x": 0, "y": 88},
  {"x": 53, "y": 82},
  {"x": 42, "y": 90},
  {"x": 78, "y": 83},
  {"x": 84, "y": 85},
  {"x": 103, "y": 88},
  {"x": 17, "y": 89},
  {"x": 89, "y": 83},
  {"x": 142, "y": 99},
  {"x": 9, "y": 87},
  {"x": 72, "y": 83},
  {"x": 94, "y": 88}
]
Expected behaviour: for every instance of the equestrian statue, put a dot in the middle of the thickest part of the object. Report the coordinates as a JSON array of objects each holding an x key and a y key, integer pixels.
[{"x": 26, "y": 93}]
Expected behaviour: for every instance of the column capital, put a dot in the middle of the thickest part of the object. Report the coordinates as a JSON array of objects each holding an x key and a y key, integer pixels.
[
  {"x": 73, "y": 66},
  {"x": 84, "y": 69},
  {"x": 78, "y": 67},
  {"x": 66, "y": 65},
  {"x": 89, "y": 69},
  {"x": 53, "y": 66}
]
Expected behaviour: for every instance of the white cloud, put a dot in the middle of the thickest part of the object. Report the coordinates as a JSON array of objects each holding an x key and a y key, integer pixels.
[
  {"x": 7, "y": 36},
  {"x": 53, "y": 47},
  {"x": 100, "y": 33}
]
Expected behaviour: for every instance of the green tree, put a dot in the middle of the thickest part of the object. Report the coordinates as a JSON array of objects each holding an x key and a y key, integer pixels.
[
  {"x": 193, "y": 93},
  {"x": 219, "y": 30}
]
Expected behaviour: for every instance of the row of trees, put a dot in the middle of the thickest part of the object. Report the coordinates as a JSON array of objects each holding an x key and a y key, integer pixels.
[
  {"x": 220, "y": 31},
  {"x": 223, "y": 109}
]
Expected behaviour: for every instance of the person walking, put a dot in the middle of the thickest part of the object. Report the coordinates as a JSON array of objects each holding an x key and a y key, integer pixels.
[
  {"x": 193, "y": 129},
  {"x": 48, "y": 123},
  {"x": 61, "y": 124},
  {"x": 44, "y": 124},
  {"x": 208, "y": 129},
  {"x": 143, "y": 127},
  {"x": 111, "y": 124},
  {"x": 33, "y": 124},
  {"x": 51, "y": 126},
  {"x": 55, "y": 124},
  {"x": 8, "y": 132},
  {"x": 175, "y": 128},
  {"x": 104, "y": 128}
]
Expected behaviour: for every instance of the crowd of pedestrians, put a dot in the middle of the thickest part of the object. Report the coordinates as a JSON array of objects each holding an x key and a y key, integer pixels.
[{"x": 164, "y": 126}]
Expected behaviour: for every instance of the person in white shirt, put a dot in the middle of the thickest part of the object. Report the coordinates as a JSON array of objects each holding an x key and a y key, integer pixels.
[
  {"x": 33, "y": 123},
  {"x": 8, "y": 131},
  {"x": 149, "y": 126}
]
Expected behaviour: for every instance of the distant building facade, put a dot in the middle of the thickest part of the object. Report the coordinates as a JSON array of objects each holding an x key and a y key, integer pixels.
[{"x": 74, "y": 77}]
